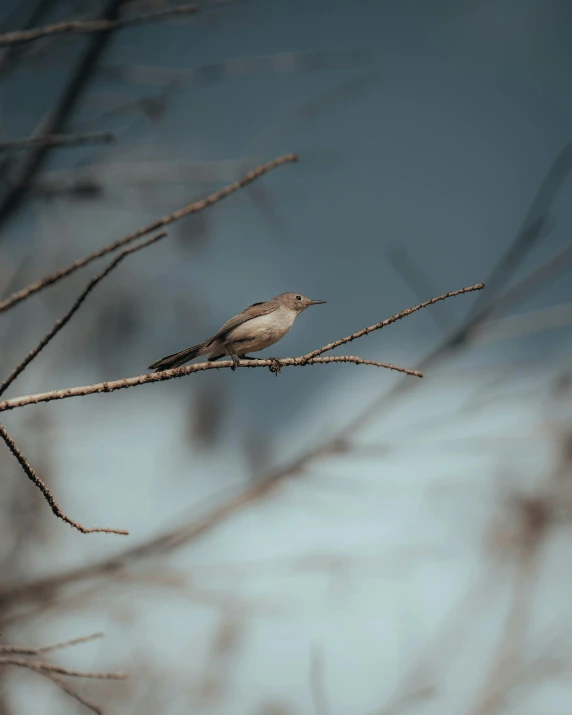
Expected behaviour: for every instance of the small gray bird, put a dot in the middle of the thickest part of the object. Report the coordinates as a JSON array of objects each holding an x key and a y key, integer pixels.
[{"x": 256, "y": 328}]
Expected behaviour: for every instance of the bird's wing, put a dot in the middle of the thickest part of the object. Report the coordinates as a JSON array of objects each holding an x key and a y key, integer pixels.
[{"x": 253, "y": 311}]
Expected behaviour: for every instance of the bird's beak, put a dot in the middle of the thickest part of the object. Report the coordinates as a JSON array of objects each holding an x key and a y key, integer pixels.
[{"x": 317, "y": 302}]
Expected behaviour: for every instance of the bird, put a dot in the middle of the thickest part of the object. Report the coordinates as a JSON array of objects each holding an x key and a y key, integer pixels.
[{"x": 257, "y": 327}]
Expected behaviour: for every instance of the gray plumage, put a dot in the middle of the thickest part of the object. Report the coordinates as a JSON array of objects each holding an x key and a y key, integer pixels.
[{"x": 256, "y": 328}]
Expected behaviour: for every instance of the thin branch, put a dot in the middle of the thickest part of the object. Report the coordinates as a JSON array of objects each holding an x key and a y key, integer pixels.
[
  {"x": 55, "y": 140},
  {"x": 98, "y": 25},
  {"x": 517, "y": 292},
  {"x": 415, "y": 277},
  {"x": 393, "y": 319},
  {"x": 59, "y": 324},
  {"x": 72, "y": 692},
  {"x": 533, "y": 228},
  {"x": 195, "y": 207},
  {"x": 23, "y": 650},
  {"x": 41, "y": 666},
  {"x": 7, "y": 653},
  {"x": 48, "y": 496},
  {"x": 275, "y": 365}
]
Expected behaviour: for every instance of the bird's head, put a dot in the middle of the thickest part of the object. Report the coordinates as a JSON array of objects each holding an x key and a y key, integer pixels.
[{"x": 297, "y": 301}]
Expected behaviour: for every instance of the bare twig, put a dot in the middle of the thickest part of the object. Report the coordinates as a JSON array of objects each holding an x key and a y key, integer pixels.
[
  {"x": 48, "y": 496},
  {"x": 41, "y": 666},
  {"x": 99, "y": 25},
  {"x": 72, "y": 692},
  {"x": 24, "y": 650},
  {"x": 275, "y": 365},
  {"x": 195, "y": 207},
  {"x": 52, "y": 672},
  {"x": 417, "y": 280},
  {"x": 56, "y": 140},
  {"x": 59, "y": 324},
  {"x": 393, "y": 319}
]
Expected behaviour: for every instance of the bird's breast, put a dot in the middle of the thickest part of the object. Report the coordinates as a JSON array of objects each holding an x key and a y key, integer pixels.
[{"x": 263, "y": 331}]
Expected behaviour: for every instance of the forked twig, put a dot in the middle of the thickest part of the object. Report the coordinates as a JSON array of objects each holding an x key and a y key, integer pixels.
[
  {"x": 312, "y": 358},
  {"x": 53, "y": 672},
  {"x": 41, "y": 666},
  {"x": 25, "y": 650}
]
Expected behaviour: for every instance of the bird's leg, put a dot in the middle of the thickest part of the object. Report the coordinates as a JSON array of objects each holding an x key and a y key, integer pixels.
[{"x": 235, "y": 360}]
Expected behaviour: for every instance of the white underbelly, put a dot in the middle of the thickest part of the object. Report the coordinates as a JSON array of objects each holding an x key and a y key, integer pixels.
[{"x": 259, "y": 333}]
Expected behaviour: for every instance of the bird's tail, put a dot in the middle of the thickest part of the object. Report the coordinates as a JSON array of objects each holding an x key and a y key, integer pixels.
[{"x": 177, "y": 359}]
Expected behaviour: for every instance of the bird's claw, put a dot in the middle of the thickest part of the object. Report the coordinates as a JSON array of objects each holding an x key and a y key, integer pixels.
[{"x": 276, "y": 366}]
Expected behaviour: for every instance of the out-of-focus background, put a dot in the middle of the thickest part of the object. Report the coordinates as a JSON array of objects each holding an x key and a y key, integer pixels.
[{"x": 338, "y": 539}]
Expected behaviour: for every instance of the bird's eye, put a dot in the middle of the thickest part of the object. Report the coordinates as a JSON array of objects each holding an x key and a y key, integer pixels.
[{"x": 298, "y": 297}]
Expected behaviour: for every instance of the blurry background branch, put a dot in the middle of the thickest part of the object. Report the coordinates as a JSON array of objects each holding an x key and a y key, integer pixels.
[
  {"x": 59, "y": 115},
  {"x": 56, "y": 140},
  {"x": 12, "y": 655},
  {"x": 101, "y": 25}
]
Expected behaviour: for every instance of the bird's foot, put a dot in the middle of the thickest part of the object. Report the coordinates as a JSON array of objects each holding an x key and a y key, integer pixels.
[
  {"x": 276, "y": 365},
  {"x": 235, "y": 362}
]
